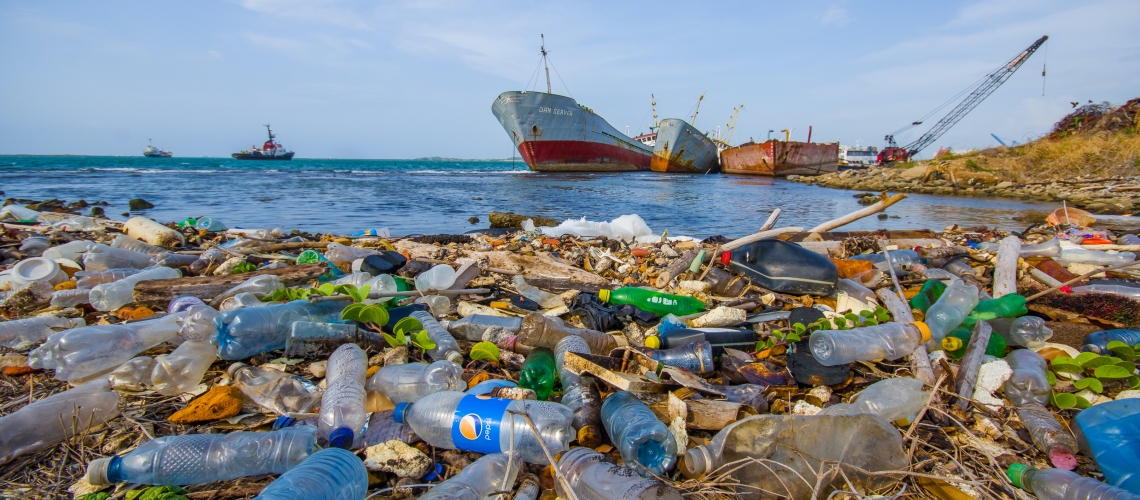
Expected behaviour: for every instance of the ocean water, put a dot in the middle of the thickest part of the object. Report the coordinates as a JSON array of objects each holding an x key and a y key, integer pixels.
[{"x": 438, "y": 196}]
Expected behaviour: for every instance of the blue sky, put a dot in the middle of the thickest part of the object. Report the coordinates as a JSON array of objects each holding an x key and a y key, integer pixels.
[{"x": 348, "y": 79}]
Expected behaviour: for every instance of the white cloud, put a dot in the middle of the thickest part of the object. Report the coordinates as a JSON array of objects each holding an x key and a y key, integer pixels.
[{"x": 835, "y": 15}]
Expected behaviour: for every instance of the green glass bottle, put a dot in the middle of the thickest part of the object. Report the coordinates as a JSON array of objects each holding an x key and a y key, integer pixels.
[
  {"x": 1009, "y": 306},
  {"x": 539, "y": 373},
  {"x": 955, "y": 343},
  {"x": 931, "y": 291},
  {"x": 657, "y": 303}
]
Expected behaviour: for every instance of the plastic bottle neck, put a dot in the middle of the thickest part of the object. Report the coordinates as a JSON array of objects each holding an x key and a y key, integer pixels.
[{"x": 696, "y": 463}]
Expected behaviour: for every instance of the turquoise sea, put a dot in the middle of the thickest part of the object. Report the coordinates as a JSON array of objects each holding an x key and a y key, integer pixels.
[{"x": 438, "y": 196}]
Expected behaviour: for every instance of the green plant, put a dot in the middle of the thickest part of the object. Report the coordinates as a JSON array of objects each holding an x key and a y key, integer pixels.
[
  {"x": 1091, "y": 371},
  {"x": 289, "y": 294},
  {"x": 973, "y": 165},
  {"x": 357, "y": 294},
  {"x": 485, "y": 351},
  {"x": 408, "y": 330},
  {"x": 375, "y": 315},
  {"x": 244, "y": 267}
]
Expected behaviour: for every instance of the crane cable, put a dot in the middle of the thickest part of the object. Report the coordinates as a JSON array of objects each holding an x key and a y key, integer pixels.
[{"x": 1043, "y": 64}]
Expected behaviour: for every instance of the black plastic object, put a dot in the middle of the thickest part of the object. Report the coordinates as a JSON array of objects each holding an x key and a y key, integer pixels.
[
  {"x": 396, "y": 314},
  {"x": 599, "y": 316},
  {"x": 524, "y": 303},
  {"x": 386, "y": 263},
  {"x": 805, "y": 369},
  {"x": 784, "y": 267},
  {"x": 719, "y": 338}
]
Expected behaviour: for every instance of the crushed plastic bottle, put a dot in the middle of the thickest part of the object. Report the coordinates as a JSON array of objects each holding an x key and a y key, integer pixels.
[
  {"x": 253, "y": 330},
  {"x": 101, "y": 257},
  {"x": 545, "y": 299},
  {"x": 474, "y": 326},
  {"x": 892, "y": 399},
  {"x": 1060, "y": 484},
  {"x": 205, "y": 458},
  {"x": 342, "y": 417},
  {"x": 1110, "y": 434},
  {"x": 539, "y": 373},
  {"x": 655, "y": 302},
  {"x": 1098, "y": 341},
  {"x": 197, "y": 325},
  {"x": 695, "y": 357},
  {"x": 948, "y": 312},
  {"x": 540, "y": 331},
  {"x": 329, "y": 474},
  {"x": 56, "y": 418},
  {"x": 446, "y": 348},
  {"x": 410, "y": 382},
  {"x": 1026, "y": 331},
  {"x": 454, "y": 420},
  {"x": 182, "y": 370},
  {"x": 1070, "y": 255},
  {"x": 491, "y": 473},
  {"x": 274, "y": 390},
  {"x": 579, "y": 394},
  {"x": 1029, "y": 390},
  {"x": 888, "y": 341},
  {"x": 81, "y": 353},
  {"x": 70, "y": 298},
  {"x": 591, "y": 477},
  {"x": 111, "y": 296},
  {"x": 24, "y": 333},
  {"x": 134, "y": 375},
  {"x": 643, "y": 441}
]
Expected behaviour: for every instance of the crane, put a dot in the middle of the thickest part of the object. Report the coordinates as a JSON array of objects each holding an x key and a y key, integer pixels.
[
  {"x": 988, "y": 84},
  {"x": 696, "y": 110},
  {"x": 723, "y": 139}
]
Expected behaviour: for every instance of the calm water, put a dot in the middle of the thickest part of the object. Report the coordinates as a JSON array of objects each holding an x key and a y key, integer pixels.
[{"x": 417, "y": 196}]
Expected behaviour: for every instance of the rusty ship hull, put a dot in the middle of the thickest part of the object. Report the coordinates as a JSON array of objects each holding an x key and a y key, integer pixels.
[
  {"x": 681, "y": 148},
  {"x": 554, "y": 134},
  {"x": 780, "y": 158}
]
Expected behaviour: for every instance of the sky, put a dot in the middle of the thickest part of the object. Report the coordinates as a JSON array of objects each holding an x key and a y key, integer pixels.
[{"x": 365, "y": 79}]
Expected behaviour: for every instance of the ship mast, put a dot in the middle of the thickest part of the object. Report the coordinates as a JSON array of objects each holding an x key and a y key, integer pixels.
[
  {"x": 653, "y": 101},
  {"x": 270, "y": 132},
  {"x": 548, "y": 90},
  {"x": 693, "y": 122}
]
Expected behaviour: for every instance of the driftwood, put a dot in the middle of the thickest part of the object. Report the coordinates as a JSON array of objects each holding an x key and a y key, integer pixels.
[
  {"x": 675, "y": 268},
  {"x": 752, "y": 238},
  {"x": 709, "y": 414},
  {"x": 900, "y": 311},
  {"x": 563, "y": 284},
  {"x": 159, "y": 292},
  {"x": 276, "y": 247},
  {"x": 832, "y": 248},
  {"x": 971, "y": 363},
  {"x": 1005, "y": 266},
  {"x": 771, "y": 220},
  {"x": 858, "y": 214}
]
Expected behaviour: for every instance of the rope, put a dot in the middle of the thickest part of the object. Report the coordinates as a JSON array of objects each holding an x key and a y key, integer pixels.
[{"x": 559, "y": 76}]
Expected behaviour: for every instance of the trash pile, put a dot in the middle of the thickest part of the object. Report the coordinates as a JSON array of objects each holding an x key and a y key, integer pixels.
[{"x": 586, "y": 360}]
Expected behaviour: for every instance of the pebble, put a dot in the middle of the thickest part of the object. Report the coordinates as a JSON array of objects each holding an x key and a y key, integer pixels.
[
  {"x": 397, "y": 458},
  {"x": 692, "y": 287},
  {"x": 805, "y": 408}
]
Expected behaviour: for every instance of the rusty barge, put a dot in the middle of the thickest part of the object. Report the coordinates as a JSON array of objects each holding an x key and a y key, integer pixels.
[
  {"x": 681, "y": 148},
  {"x": 781, "y": 158}
]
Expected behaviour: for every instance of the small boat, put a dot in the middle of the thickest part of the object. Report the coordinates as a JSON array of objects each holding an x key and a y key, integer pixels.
[
  {"x": 271, "y": 150},
  {"x": 781, "y": 158},
  {"x": 152, "y": 152}
]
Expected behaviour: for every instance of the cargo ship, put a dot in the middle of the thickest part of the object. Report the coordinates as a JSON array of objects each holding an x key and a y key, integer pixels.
[
  {"x": 681, "y": 148},
  {"x": 554, "y": 133},
  {"x": 271, "y": 150},
  {"x": 781, "y": 158}
]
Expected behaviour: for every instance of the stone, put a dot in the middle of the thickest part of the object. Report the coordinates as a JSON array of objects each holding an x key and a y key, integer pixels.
[
  {"x": 691, "y": 287},
  {"x": 97, "y": 212},
  {"x": 720, "y": 317},
  {"x": 396, "y": 457},
  {"x": 473, "y": 220},
  {"x": 318, "y": 368},
  {"x": 916, "y": 172},
  {"x": 805, "y": 408},
  {"x": 139, "y": 204}
]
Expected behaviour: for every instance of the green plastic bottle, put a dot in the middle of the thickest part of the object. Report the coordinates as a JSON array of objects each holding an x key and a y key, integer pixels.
[
  {"x": 1009, "y": 306},
  {"x": 657, "y": 303},
  {"x": 929, "y": 294},
  {"x": 955, "y": 343},
  {"x": 539, "y": 373}
]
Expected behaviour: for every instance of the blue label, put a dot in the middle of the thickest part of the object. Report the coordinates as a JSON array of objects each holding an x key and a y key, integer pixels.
[{"x": 477, "y": 423}]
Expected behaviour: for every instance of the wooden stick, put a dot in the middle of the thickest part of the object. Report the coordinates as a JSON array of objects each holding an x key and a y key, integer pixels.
[
  {"x": 752, "y": 238},
  {"x": 771, "y": 220},
  {"x": 293, "y": 245},
  {"x": 675, "y": 268},
  {"x": 408, "y": 293},
  {"x": 152, "y": 292},
  {"x": 859, "y": 214},
  {"x": 1080, "y": 278},
  {"x": 1005, "y": 267},
  {"x": 971, "y": 363},
  {"x": 919, "y": 359}
]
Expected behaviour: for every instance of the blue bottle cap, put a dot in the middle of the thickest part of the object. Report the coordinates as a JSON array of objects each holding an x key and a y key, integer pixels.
[
  {"x": 283, "y": 422},
  {"x": 398, "y": 412},
  {"x": 435, "y": 473},
  {"x": 341, "y": 437}
]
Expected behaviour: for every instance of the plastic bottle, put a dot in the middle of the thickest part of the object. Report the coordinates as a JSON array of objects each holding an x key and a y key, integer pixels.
[
  {"x": 205, "y": 458},
  {"x": 410, "y": 382},
  {"x": 591, "y": 477},
  {"x": 949, "y": 311},
  {"x": 719, "y": 338},
  {"x": 198, "y": 324},
  {"x": 540, "y": 331},
  {"x": 929, "y": 294},
  {"x": 643, "y": 441},
  {"x": 71, "y": 250},
  {"x": 274, "y": 390},
  {"x": 104, "y": 257},
  {"x": 1123, "y": 291},
  {"x": 958, "y": 340},
  {"x": 318, "y": 340},
  {"x": 339, "y": 253},
  {"x": 1029, "y": 390},
  {"x": 343, "y": 416},
  {"x": 1094, "y": 257},
  {"x": 1027, "y": 331},
  {"x": 241, "y": 301},
  {"x": 1008, "y": 306},
  {"x": 545, "y": 299},
  {"x": 784, "y": 267},
  {"x": 111, "y": 296},
  {"x": 24, "y": 333},
  {"x": 439, "y": 277},
  {"x": 1098, "y": 341},
  {"x": 892, "y": 399},
  {"x": 312, "y": 257},
  {"x": 70, "y": 298},
  {"x": 128, "y": 243},
  {"x": 488, "y": 386},
  {"x": 1110, "y": 434},
  {"x": 579, "y": 394},
  {"x": 455, "y": 420},
  {"x": 56, "y": 418},
  {"x": 81, "y": 353},
  {"x": 182, "y": 370},
  {"x": 259, "y": 286},
  {"x": 134, "y": 375},
  {"x": 253, "y": 330},
  {"x": 355, "y": 279},
  {"x": 724, "y": 283},
  {"x": 1128, "y": 239},
  {"x": 34, "y": 245},
  {"x": 474, "y": 326},
  {"x": 491, "y": 473},
  {"x": 208, "y": 258},
  {"x": 329, "y": 474},
  {"x": 1060, "y": 484},
  {"x": 446, "y": 348},
  {"x": 539, "y": 373},
  {"x": 655, "y": 302},
  {"x": 694, "y": 356},
  {"x": 902, "y": 260},
  {"x": 889, "y": 341}
]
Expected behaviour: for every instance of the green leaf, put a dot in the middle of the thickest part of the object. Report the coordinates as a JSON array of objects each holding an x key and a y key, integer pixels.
[
  {"x": 866, "y": 314},
  {"x": 1085, "y": 357},
  {"x": 244, "y": 267},
  {"x": 362, "y": 293},
  {"x": 1116, "y": 343},
  {"x": 374, "y": 314},
  {"x": 792, "y": 338},
  {"x": 1100, "y": 361},
  {"x": 1112, "y": 372},
  {"x": 406, "y": 325},
  {"x": 799, "y": 328},
  {"x": 1089, "y": 383},
  {"x": 1082, "y": 403},
  {"x": 1052, "y": 378},
  {"x": 352, "y": 312},
  {"x": 852, "y": 317},
  {"x": 158, "y": 493},
  {"x": 1133, "y": 382},
  {"x": 487, "y": 351},
  {"x": 1066, "y": 364},
  {"x": 100, "y": 495},
  {"x": 392, "y": 341},
  {"x": 1123, "y": 351},
  {"x": 882, "y": 314},
  {"x": 777, "y": 334},
  {"x": 422, "y": 340},
  {"x": 840, "y": 321},
  {"x": 1064, "y": 400},
  {"x": 347, "y": 289},
  {"x": 871, "y": 322}
]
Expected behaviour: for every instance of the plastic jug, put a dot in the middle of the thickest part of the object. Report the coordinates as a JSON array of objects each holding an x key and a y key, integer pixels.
[
  {"x": 111, "y": 296},
  {"x": 539, "y": 373},
  {"x": 446, "y": 348},
  {"x": 48, "y": 421},
  {"x": 410, "y": 382},
  {"x": 1110, "y": 434},
  {"x": 591, "y": 477},
  {"x": 1027, "y": 331},
  {"x": 342, "y": 415},
  {"x": 329, "y": 474},
  {"x": 643, "y": 441},
  {"x": 784, "y": 267},
  {"x": 254, "y": 330},
  {"x": 491, "y": 473},
  {"x": 695, "y": 357},
  {"x": 1060, "y": 484},
  {"x": 655, "y": 302},
  {"x": 182, "y": 370},
  {"x": 889, "y": 341}
]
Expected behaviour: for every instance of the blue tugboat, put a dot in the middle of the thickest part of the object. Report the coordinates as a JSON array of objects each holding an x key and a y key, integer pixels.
[{"x": 271, "y": 150}]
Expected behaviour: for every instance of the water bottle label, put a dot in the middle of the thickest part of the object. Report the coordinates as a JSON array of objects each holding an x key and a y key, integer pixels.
[{"x": 476, "y": 424}]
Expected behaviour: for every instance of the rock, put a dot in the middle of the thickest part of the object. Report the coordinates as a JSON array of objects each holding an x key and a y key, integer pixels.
[
  {"x": 805, "y": 408},
  {"x": 318, "y": 368},
  {"x": 1129, "y": 394},
  {"x": 97, "y": 212},
  {"x": 222, "y": 401},
  {"x": 793, "y": 177},
  {"x": 514, "y": 221},
  {"x": 883, "y": 216},
  {"x": 397, "y": 458},
  {"x": 473, "y": 220},
  {"x": 916, "y": 172},
  {"x": 668, "y": 251},
  {"x": 720, "y": 317},
  {"x": 691, "y": 287},
  {"x": 125, "y": 214},
  {"x": 139, "y": 204},
  {"x": 679, "y": 432}
]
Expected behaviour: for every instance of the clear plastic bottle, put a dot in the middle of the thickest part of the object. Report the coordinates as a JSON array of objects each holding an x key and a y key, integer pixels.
[
  {"x": 902, "y": 260},
  {"x": 643, "y": 441},
  {"x": 56, "y": 418},
  {"x": 1128, "y": 239},
  {"x": 127, "y": 243},
  {"x": 309, "y": 340},
  {"x": 355, "y": 279},
  {"x": 111, "y": 296},
  {"x": 408, "y": 383},
  {"x": 329, "y": 474},
  {"x": 1094, "y": 257},
  {"x": 25, "y": 333},
  {"x": 949, "y": 311},
  {"x": 1029, "y": 390},
  {"x": 544, "y": 299},
  {"x": 1027, "y": 331},
  {"x": 1049, "y": 435},
  {"x": 72, "y": 250},
  {"x": 591, "y": 477},
  {"x": 529, "y": 489},
  {"x": 70, "y": 298},
  {"x": 208, "y": 258},
  {"x": 34, "y": 246},
  {"x": 183, "y": 369},
  {"x": 889, "y": 341},
  {"x": 89, "y": 279},
  {"x": 1060, "y": 484},
  {"x": 1098, "y": 341},
  {"x": 694, "y": 356},
  {"x": 455, "y": 420},
  {"x": 274, "y": 390},
  {"x": 253, "y": 330},
  {"x": 259, "y": 286},
  {"x": 339, "y": 253},
  {"x": 1123, "y": 291},
  {"x": 1110, "y": 433},
  {"x": 474, "y": 326},
  {"x": 899, "y": 398},
  {"x": 198, "y": 323},
  {"x": 1028, "y": 382},
  {"x": 171, "y": 259},
  {"x": 102, "y": 257},
  {"x": 491, "y": 473},
  {"x": 241, "y": 301},
  {"x": 85, "y": 352},
  {"x": 540, "y": 331},
  {"x": 439, "y": 277},
  {"x": 134, "y": 375},
  {"x": 205, "y": 458},
  {"x": 446, "y": 348},
  {"x": 343, "y": 414}
]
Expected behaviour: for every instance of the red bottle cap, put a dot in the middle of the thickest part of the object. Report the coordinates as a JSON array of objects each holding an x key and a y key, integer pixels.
[{"x": 724, "y": 257}]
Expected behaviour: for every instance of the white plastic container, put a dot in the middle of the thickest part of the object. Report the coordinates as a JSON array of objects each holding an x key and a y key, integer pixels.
[
  {"x": 144, "y": 229},
  {"x": 28, "y": 271}
]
